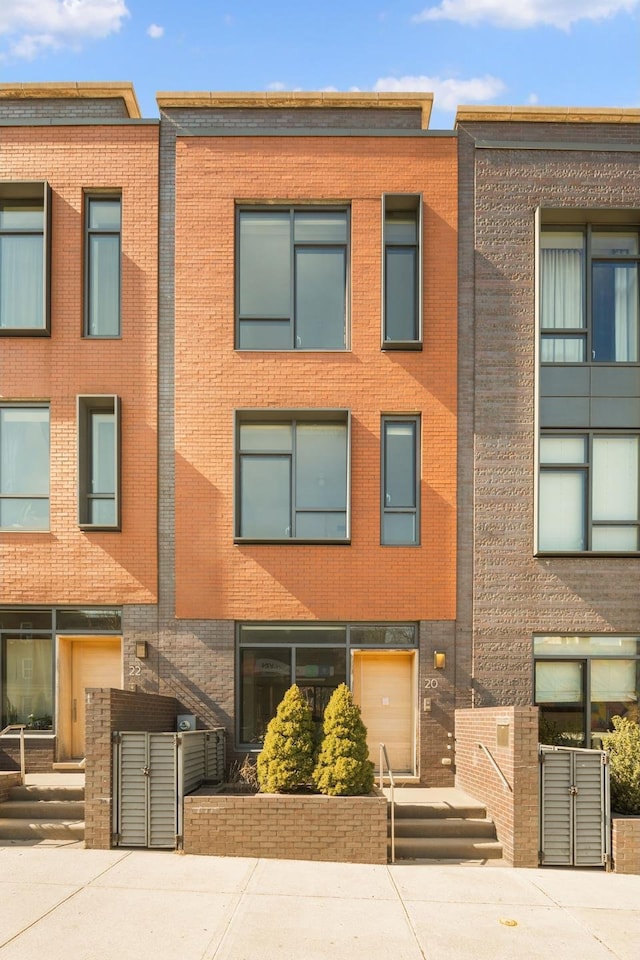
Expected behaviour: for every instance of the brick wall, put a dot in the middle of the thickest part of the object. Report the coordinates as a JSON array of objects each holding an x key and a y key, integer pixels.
[
  {"x": 39, "y": 753},
  {"x": 8, "y": 780},
  {"x": 108, "y": 711},
  {"x": 513, "y": 808},
  {"x": 289, "y": 827},
  {"x": 626, "y": 844}
]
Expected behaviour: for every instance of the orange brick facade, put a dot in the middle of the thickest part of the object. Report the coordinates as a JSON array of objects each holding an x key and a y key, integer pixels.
[{"x": 362, "y": 581}]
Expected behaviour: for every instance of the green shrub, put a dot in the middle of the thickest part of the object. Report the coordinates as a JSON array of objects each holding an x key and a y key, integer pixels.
[
  {"x": 343, "y": 767},
  {"x": 623, "y": 745},
  {"x": 286, "y": 760}
]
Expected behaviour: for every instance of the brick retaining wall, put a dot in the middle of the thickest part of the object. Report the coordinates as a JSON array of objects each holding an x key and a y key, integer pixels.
[
  {"x": 625, "y": 847},
  {"x": 8, "y": 780}
]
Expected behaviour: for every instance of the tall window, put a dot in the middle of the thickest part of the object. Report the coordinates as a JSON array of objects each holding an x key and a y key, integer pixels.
[
  {"x": 402, "y": 272},
  {"x": 589, "y": 493},
  {"x": 98, "y": 462},
  {"x": 589, "y": 295},
  {"x": 24, "y": 467},
  {"x": 293, "y": 477},
  {"x": 292, "y": 279},
  {"x": 24, "y": 300},
  {"x": 102, "y": 279},
  {"x": 400, "y": 480}
]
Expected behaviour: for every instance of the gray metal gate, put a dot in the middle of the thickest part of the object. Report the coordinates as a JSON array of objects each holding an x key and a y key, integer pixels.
[
  {"x": 152, "y": 773},
  {"x": 575, "y": 807}
]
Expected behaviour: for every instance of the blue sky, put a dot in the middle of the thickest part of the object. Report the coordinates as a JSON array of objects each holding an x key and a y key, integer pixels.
[{"x": 548, "y": 52}]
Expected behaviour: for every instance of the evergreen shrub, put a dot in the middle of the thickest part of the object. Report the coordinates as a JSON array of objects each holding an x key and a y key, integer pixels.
[
  {"x": 343, "y": 767},
  {"x": 623, "y": 745},
  {"x": 286, "y": 760}
]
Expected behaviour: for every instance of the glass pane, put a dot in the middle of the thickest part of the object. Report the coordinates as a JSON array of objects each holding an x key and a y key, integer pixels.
[
  {"x": 400, "y": 300},
  {"x": 102, "y": 512},
  {"x": 615, "y": 312},
  {"x": 615, "y": 691},
  {"x": 320, "y": 226},
  {"x": 265, "y": 335},
  {"x": 104, "y": 214},
  {"x": 265, "y": 264},
  {"x": 562, "y": 349},
  {"x": 103, "y": 453},
  {"x": 320, "y": 298},
  {"x": 265, "y": 497},
  {"x": 609, "y": 244},
  {"x": 400, "y": 464},
  {"x": 400, "y": 226},
  {"x": 21, "y": 216},
  {"x": 561, "y": 281},
  {"x": 561, "y": 511},
  {"x": 587, "y": 646},
  {"x": 79, "y": 619},
  {"x": 318, "y": 673},
  {"x": 399, "y": 528},
  {"x": 620, "y": 539},
  {"x": 24, "y": 514},
  {"x": 615, "y": 478},
  {"x": 321, "y": 466},
  {"x": 563, "y": 449},
  {"x": 24, "y": 450},
  {"x": 25, "y": 619},
  {"x": 28, "y": 682},
  {"x": 396, "y": 636},
  {"x": 21, "y": 282},
  {"x": 321, "y": 526},
  {"x": 104, "y": 285},
  {"x": 274, "y": 437},
  {"x": 559, "y": 694},
  {"x": 265, "y": 677},
  {"x": 287, "y": 634}
]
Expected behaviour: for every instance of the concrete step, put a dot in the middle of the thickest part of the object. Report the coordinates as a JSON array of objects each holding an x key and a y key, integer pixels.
[
  {"x": 43, "y": 809},
  {"x": 439, "y": 810},
  {"x": 447, "y": 848},
  {"x": 47, "y": 792},
  {"x": 449, "y": 827},
  {"x": 40, "y": 829}
]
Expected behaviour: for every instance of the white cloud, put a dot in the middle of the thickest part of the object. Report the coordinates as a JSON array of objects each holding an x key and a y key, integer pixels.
[
  {"x": 532, "y": 99},
  {"x": 521, "y": 14},
  {"x": 277, "y": 85},
  {"x": 34, "y": 26},
  {"x": 155, "y": 31},
  {"x": 447, "y": 94}
]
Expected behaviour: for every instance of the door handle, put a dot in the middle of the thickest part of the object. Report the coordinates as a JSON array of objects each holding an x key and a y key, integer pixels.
[
  {"x": 74, "y": 711},
  {"x": 573, "y": 791}
]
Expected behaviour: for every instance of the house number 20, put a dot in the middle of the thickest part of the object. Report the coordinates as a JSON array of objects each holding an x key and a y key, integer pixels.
[{"x": 431, "y": 683}]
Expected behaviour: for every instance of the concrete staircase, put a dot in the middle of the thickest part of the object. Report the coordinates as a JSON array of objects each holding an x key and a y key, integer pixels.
[
  {"x": 45, "y": 808},
  {"x": 442, "y": 824}
]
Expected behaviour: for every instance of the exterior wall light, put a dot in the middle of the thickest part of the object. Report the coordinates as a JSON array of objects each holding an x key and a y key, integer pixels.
[
  {"x": 439, "y": 660},
  {"x": 142, "y": 650}
]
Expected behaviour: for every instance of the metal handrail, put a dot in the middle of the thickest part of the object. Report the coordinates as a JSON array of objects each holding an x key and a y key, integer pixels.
[
  {"x": 384, "y": 759},
  {"x": 20, "y": 727},
  {"x": 495, "y": 766}
]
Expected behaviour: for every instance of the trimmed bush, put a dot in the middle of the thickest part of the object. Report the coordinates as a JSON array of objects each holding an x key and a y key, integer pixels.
[
  {"x": 286, "y": 760},
  {"x": 624, "y": 753},
  {"x": 343, "y": 768}
]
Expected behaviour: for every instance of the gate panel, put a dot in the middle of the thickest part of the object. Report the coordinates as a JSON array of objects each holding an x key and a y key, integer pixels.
[
  {"x": 131, "y": 821},
  {"x": 590, "y": 808},
  {"x": 162, "y": 790},
  {"x": 556, "y": 828}
]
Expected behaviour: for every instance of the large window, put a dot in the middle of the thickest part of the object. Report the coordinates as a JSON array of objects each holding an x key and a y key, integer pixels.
[
  {"x": 273, "y": 656},
  {"x": 293, "y": 476},
  {"x": 24, "y": 467},
  {"x": 589, "y": 295},
  {"x": 402, "y": 272},
  {"x": 581, "y": 682},
  {"x": 589, "y": 493},
  {"x": 24, "y": 280},
  {"x": 102, "y": 270},
  {"x": 98, "y": 462},
  {"x": 292, "y": 279},
  {"x": 400, "y": 480}
]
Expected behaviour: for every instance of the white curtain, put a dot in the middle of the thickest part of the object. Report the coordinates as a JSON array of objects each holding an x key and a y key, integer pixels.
[
  {"x": 21, "y": 283},
  {"x": 561, "y": 303},
  {"x": 626, "y": 313}
]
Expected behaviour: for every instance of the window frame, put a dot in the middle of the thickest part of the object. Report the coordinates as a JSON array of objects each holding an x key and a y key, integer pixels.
[
  {"x": 293, "y": 418},
  {"x": 30, "y": 405},
  {"x": 293, "y": 209},
  {"x": 386, "y": 509},
  {"x": 93, "y": 196},
  {"x": 586, "y": 223},
  {"x": 39, "y": 191},
  {"x": 585, "y": 468},
  {"x": 86, "y": 407},
  {"x": 395, "y": 203}
]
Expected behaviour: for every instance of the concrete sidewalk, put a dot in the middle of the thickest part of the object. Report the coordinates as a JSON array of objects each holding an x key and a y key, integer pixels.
[{"x": 77, "y": 904}]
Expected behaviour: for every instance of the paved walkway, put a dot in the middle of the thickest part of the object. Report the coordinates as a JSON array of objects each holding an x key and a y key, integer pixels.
[{"x": 74, "y": 904}]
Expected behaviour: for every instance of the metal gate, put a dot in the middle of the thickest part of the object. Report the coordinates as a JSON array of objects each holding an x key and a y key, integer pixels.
[
  {"x": 152, "y": 773},
  {"x": 575, "y": 807}
]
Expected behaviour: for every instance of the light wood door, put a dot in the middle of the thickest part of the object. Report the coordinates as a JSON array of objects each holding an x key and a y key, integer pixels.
[
  {"x": 384, "y": 689},
  {"x": 94, "y": 663}
]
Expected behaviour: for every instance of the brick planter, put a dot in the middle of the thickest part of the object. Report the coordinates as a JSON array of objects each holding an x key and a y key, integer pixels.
[
  {"x": 286, "y": 826},
  {"x": 625, "y": 847}
]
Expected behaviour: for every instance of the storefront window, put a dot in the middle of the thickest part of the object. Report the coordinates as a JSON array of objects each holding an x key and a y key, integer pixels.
[{"x": 27, "y": 684}]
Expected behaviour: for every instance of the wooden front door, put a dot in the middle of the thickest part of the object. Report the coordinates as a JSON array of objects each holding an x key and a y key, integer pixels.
[
  {"x": 94, "y": 663},
  {"x": 384, "y": 689}
]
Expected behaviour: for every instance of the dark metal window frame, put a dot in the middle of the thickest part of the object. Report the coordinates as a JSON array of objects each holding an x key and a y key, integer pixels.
[
  {"x": 94, "y": 196},
  {"x": 395, "y": 202},
  {"x": 37, "y": 192},
  {"x": 385, "y": 509},
  {"x": 86, "y": 406}
]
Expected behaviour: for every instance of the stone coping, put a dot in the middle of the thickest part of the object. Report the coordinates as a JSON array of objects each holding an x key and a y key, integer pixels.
[
  {"x": 65, "y": 91},
  {"x": 536, "y": 114}
]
